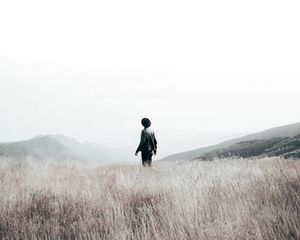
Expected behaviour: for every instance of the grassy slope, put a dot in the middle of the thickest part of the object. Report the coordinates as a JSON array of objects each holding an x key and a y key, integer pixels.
[
  {"x": 282, "y": 131},
  {"x": 287, "y": 147},
  {"x": 228, "y": 199}
]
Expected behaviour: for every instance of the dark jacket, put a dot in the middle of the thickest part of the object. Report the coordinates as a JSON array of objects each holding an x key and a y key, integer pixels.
[{"x": 148, "y": 141}]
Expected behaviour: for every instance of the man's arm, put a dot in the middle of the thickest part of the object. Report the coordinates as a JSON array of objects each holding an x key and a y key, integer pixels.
[
  {"x": 142, "y": 141},
  {"x": 155, "y": 143}
]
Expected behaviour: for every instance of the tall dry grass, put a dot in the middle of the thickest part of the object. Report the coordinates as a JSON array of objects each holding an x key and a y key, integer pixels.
[{"x": 225, "y": 199}]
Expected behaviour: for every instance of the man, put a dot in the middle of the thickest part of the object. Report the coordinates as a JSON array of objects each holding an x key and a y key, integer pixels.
[{"x": 148, "y": 143}]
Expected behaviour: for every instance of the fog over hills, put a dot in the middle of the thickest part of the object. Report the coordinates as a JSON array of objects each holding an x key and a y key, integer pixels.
[
  {"x": 64, "y": 148},
  {"x": 282, "y": 133}
]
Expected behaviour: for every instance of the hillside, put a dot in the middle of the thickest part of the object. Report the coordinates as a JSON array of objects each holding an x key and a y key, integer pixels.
[
  {"x": 60, "y": 147},
  {"x": 286, "y": 147},
  {"x": 290, "y": 130}
]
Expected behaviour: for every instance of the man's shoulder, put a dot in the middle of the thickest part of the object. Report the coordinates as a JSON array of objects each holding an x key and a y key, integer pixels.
[{"x": 147, "y": 130}]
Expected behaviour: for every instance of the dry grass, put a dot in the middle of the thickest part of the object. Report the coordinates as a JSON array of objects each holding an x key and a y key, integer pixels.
[{"x": 228, "y": 199}]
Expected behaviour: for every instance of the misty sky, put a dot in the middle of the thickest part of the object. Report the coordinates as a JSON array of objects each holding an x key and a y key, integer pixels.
[{"x": 200, "y": 70}]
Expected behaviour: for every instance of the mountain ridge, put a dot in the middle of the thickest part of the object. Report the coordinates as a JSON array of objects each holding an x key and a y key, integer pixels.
[{"x": 60, "y": 147}]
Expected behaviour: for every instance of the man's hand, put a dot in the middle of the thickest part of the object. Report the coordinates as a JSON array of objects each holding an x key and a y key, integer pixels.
[
  {"x": 136, "y": 153},
  {"x": 154, "y": 152}
]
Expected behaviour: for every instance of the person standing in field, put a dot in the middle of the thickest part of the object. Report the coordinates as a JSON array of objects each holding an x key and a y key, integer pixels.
[{"x": 148, "y": 143}]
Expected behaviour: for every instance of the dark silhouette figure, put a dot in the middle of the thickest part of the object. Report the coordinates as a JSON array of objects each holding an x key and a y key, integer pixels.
[{"x": 148, "y": 143}]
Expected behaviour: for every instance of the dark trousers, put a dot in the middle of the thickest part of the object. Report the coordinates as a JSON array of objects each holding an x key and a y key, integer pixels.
[{"x": 146, "y": 158}]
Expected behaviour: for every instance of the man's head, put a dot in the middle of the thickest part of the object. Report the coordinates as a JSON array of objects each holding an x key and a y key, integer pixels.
[{"x": 146, "y": 122}]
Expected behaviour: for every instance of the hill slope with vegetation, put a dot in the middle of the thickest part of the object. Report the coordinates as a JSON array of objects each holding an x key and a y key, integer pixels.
[
  {"x": 268, "y": 135},
  {"x": 288, "y": 147}
]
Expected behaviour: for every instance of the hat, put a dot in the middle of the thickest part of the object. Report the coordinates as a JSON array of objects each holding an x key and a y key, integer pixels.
[{"x": 146, "y": 122}]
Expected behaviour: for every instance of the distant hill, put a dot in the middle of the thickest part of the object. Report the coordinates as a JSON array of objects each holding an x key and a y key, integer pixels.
[
  {"x": 62, "y": 148},
  {"x": 283, "y": 132},
  {"x": 286, "y": 147}
]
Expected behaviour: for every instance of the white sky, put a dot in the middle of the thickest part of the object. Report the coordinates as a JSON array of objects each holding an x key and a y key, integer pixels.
[{"x": 92, "y": 69}]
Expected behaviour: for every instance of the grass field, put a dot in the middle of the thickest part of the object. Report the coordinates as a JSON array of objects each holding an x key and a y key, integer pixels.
[{"x": 223, "y": 199}]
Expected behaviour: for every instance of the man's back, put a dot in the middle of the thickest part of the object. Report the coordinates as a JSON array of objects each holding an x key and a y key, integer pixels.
[{"x": 148, "y": 141}]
